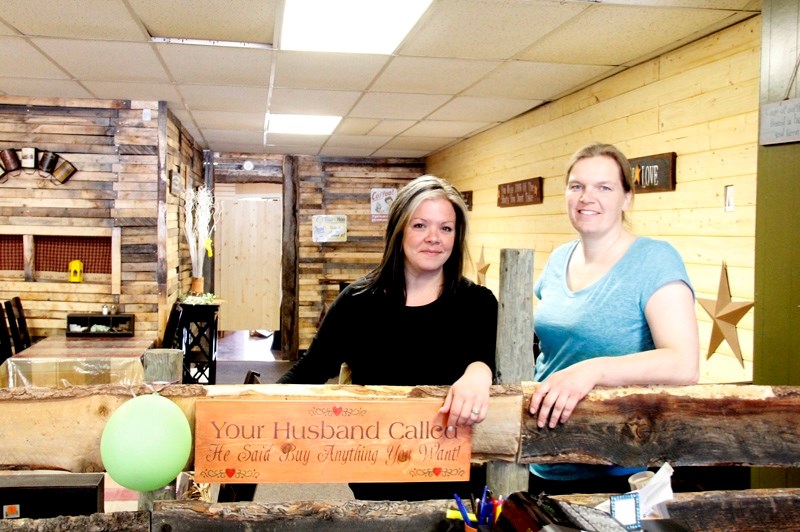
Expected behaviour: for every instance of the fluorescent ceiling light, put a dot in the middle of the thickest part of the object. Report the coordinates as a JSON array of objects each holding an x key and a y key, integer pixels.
[
  {"x": 301, "y": 124},
  {"x": 204, "y": 42},
  {"x": 349, "y": 26}
]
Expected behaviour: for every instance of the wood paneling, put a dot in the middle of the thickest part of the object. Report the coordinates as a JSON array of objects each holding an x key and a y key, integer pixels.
[
  {"x": 340, "y": 186},
  {"x": 700, "y": 101},
  {"x": 116, "y": 191}
]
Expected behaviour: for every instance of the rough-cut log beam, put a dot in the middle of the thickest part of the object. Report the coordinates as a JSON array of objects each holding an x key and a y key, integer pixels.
[
  {"x": 308, "y": 516},
  {"x": 685, "y": 426},
  {"x": 756, "y": 510},
  {"x": 110, "y": 522},
  {"x": 60, "y": 428}
]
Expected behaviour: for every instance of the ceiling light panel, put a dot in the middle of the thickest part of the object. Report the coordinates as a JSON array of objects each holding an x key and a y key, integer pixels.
[{"x": 350, "y": 26}]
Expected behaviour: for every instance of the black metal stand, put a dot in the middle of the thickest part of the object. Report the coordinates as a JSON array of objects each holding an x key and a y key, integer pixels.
[{"x": 197, "y": 329}]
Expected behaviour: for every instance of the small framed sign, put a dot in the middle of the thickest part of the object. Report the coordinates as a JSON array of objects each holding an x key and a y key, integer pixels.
[
  {"x": 467, "y": 195},
  {"x": 654, "y": 173},
  {"x": 517, "y": 193},
  {"x": 329, "y": 228}
]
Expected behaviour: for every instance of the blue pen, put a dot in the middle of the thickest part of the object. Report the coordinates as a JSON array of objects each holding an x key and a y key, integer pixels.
[
  {"x": 462, "y": 509},
  {"x": 480, "y": 508}
]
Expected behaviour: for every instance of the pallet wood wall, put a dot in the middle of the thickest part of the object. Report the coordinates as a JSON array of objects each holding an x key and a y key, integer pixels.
[
  {"x": 340, "y": 186},
  {"x": 117, "y": 147},
  {"x": 700, "y": 101}
]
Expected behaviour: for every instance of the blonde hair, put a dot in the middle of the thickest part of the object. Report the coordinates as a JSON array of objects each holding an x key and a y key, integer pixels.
[{"x": 598, "y": 149}]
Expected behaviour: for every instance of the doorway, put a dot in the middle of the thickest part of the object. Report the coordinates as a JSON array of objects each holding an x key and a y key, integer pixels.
[{"x": 247, "y": 275}]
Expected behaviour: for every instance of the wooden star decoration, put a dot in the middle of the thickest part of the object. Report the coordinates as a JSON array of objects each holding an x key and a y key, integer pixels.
[
  {"x": 725, "y": 315},
  {"x": 483, "y": 267}
]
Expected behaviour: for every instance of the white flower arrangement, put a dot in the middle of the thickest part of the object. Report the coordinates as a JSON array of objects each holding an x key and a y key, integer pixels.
[{"x": 201, "y": 218}]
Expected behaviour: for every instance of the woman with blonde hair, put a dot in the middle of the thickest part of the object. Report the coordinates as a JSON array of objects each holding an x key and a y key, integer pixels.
[{"x": 615, "y": 310}]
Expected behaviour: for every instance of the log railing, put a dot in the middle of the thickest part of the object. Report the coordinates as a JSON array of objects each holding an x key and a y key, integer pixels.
[{"x": 60, "y": 428}]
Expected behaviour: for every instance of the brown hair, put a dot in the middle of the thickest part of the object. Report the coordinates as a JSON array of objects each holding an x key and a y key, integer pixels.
[{"x": 389, "y": 276}]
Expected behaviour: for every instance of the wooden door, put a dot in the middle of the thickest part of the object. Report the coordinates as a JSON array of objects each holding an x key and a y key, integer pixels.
[{"x": 247, "y": 273}]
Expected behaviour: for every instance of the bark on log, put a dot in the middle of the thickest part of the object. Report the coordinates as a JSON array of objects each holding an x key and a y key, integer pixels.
[
  {"x": 305, "y": 516},
  {"x": 111, "y": 522},
  {"x": 686, "y": 426}
]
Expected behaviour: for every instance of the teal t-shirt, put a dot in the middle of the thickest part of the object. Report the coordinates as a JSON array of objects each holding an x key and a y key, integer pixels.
[{"x": 604, "y": 319}]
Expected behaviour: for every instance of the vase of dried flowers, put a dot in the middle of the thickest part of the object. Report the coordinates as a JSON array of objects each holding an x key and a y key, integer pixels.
[{"x": 201, "y": 217}]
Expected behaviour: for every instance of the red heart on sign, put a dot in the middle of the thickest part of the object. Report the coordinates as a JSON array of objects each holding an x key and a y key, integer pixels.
[
  {"x": 230, "y": 472},
  {"x": 337, "y": 410},
  {"x": 437, "y": 471}
]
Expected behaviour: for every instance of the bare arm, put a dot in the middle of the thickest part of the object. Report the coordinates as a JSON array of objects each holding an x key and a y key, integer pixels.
[{"x": 670, "y": 314}]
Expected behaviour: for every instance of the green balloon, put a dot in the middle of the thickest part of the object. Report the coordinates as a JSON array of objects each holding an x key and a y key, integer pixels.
[{"x": 146, "y": 443}]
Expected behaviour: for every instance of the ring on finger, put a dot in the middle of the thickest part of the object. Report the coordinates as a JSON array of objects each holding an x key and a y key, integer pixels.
[{"x": 476, "y": 411}]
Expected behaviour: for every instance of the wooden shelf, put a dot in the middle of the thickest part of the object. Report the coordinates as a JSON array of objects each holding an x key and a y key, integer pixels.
[{"x": 118, "y": 324}]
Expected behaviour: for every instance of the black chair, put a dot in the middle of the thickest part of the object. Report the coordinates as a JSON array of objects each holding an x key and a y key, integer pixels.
[
  {"x": 5, "y": 338},
  {"x": 17, "y": 324},
  {"x": 171, "y": 339}
]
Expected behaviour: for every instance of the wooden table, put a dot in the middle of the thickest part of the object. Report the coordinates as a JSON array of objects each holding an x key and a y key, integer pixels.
[{"x": 84, "y": 347}]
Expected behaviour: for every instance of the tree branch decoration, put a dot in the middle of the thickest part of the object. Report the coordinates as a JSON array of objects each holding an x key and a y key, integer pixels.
[{"x": 201, "y": 218}]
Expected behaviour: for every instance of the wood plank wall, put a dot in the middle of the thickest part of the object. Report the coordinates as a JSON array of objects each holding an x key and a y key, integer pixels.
[
  {"x": 700, "y": 101},
  {"x": 115, "y": 145},
  {"x": 340, "y": 186}
]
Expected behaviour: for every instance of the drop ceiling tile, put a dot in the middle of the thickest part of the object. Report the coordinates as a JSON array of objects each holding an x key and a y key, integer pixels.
[
  {"x": 238, "y": 135},
  {"x": 223, "y": 120},
  {"x": 616, "y": 35},
  {"x": 51, "y": 88},
  {"x": 5, "y": 29},
  {"x": 327, "y": 70},
  {"x": 101, "y": 60},
  {"x": 356, "y": 126},
  {"x": 217, "y": 20},
  {"x": 113, "y": 90},
  {"x": 482, "y": 29},
  {"x": 86, "y": 19},
  {"x": 534, "y": 81},
  {"x": 392, "y": 127},
  {"x": 20, "y": 59},
  {"x": 444, "y": 128},
  {"x": 203, "y": 64},
  {"x": 415, "y": 143},
  {"x": 312, "y": 102},
  {"x": 357, "y": 141},
  {"x": 399, "y": 153},
  {"x": 395, "y": 105},
  {"x": 243, "y": 147},
  {"x": 296, "y": 140},
  {"x": 225, "y": 98},
  {"x": 474, "y": 108},
  {"x": 428, "y": 75},
  {"x": 331, "y": 151}
]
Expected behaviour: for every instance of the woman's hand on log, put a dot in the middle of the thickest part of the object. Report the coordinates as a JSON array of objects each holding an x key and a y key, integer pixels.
[
  {"x": 555, "y": 399},
  {"x": 467, "y": 401}
]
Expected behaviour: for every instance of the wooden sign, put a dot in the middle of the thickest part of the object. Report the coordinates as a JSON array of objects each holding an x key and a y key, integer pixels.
[
  {"x": 346, "y": 441},
  {"x": 525, "y": 192},
  {"x": 654, "y": 173},
  {"x": 467, "y": 196}
]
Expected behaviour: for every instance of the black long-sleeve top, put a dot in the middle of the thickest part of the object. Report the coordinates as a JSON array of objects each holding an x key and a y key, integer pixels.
[{"x": 394, "y": 345}]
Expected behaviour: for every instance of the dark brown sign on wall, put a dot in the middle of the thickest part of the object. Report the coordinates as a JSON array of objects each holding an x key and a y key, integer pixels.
[
  {"x": 525, "y": 192},
  {"x": 654, "y": 173},
  {"x": 467, "y": 195}
]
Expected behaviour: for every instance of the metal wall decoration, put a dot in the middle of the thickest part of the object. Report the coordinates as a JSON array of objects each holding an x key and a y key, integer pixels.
[{"x": 31, "y": 160}]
